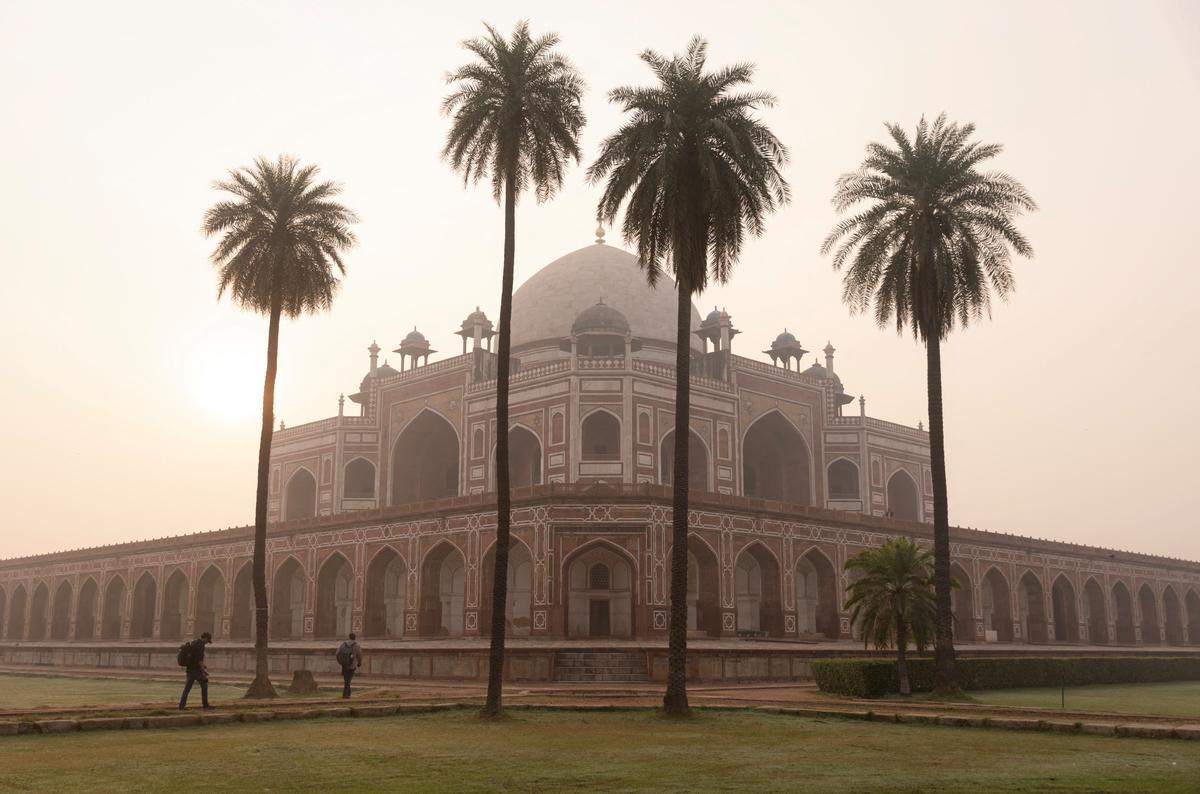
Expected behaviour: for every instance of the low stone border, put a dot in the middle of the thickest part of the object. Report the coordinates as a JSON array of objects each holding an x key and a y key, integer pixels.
[{"x": 1139, "y": 730}]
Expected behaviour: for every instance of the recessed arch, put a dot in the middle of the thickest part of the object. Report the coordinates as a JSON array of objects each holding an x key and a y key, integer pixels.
[
  {"x": 335, "y": 597},
  {"x": 962, "y": 604},
  {"x": 1095, "y": 612},
  {"x": 175, "y": 606},
  {"x": 210, "y": 603},
  {"x": 600, "y": 435},
  {"x": 1031, "y": 603},
  {"x": 60, "y": 617},
  {"x": 39, "y": 612},
  {"x": 425, "y": 460},
  {"x": 286, "y": 611},
  {"x": 386, "y": 597},
  {"x": 524, "y": 458},
  {"x": 517, "y": 617},
  {"x": 1123, "y": 610},
  {"x": 815, "y": 580},
  {"x": 113, "y": 617},
  {"x": 3, "y": 611},
  {"x": 1149, "y": 609},
  {"x": 600, "y": 579},
  {"x": 776, "y": 461},
  {"x": 358, "y": 479},
  {"x": 241, "y": 617},
  {"x": 86, "y": 610},
  {"x": 703, "y": 588},
  {"x": 443, "y": 591},
  {"x": 996, "y": 602},
  {"x": 841, "y": 479},
  {"x": 903, "y": 498},
  {"x": 1191, "y": 603},
  {"x": 300, "y": 495},
  {"x": 1062, "y": 605},
  {"x": 145, "y": 601},
  {"x": 1172, "y": 617},
  {"x": 15, "y": 630},
  {"x": 758, "y": 593},
  {"x": 699, "y": 471}
]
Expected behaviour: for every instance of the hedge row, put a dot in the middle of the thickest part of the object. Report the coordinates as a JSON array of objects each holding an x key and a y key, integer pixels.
[{"x": 877, "y": 677}]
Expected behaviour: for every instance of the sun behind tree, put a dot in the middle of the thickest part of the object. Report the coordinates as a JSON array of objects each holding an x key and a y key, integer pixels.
[
  {"x": 516, "y": 118},
  {"x": 928, "y": 251},
  {"x": 696, "y": 171},
  {"x": 280, "y": 254}
]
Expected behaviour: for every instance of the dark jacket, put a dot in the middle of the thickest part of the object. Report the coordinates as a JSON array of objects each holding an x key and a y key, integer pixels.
[{"x": 353, "y": 650}]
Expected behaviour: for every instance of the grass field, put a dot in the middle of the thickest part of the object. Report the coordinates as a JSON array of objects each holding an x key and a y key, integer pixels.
[
  {"x": 613, "y": 751},
  {"x": 1177, "y": 699},
  {"x": 26, "y": 692}
]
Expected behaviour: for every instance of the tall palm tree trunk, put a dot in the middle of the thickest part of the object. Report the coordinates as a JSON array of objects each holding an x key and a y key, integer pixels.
[
  {"x": 944, "y": 678},
  {"x": 902, "y": 653},
  {"x": 675, "y": 702},
  {"x": 503, "y": 494},
  {"x": 261, "y": 686}
]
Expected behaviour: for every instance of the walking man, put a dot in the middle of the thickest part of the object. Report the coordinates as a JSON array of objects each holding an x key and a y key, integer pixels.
[
  {"x": 349, "y": 656},
  {"x": 191, "y": 656}
]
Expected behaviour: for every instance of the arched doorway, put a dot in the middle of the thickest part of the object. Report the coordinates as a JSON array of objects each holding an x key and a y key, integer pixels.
[
  {"x": 85, "y": 610},
  {"x": 386, "y": 595},
  {"x": 520, "y": 591},
  {"x": 1032, "y": 605},
  {"x": 757, "y": 592},
  {"x": 114, "y": 609},
  {"x": 210, "y": 602},
  {"x": 1123, "y": 606},
  {"x": 600, "y": 436},
  {"x": 60, "y": 620},
  {"x": 1149, "y": 607},
  {"x": 425, "y": 460},
  {"x": 359, "y": 479},
  {"x": 1192, "y": 602},
  {"x": 524, "y": 458},
  {"x": 241, "y": 617},
  {"x": 997, "y": 611},
  {"x": 16, "y": 615},
  {"x": 697, "y": 461},
  {"x": 175, "y": 607},
  {"x": 1172, "y": 617},
  {"x": 703, "y": 590},
  {"x": 39, "y": 613},
  {"x": 816, "y": 596},
  {"x": 1095, "y": 613},
  {"x": 842, "y": 479},
  {"x": 443, "y": 592},
  {"x": 286, "y": 611},
  {"x": 1062, "y": 605},
  {"x": 300, "y": 496},
  {"x": 599, "y": 593},
  {"x": 776, "y": 463},
  {"x": 335, "y": 598},
  {"x": 145, "y": 600},
  {"x": 903, "y": 501},
  {"x": 962, "y": 604}
]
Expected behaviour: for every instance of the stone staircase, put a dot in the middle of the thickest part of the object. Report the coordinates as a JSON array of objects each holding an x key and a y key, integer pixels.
[{"x": 600, "y": 666}]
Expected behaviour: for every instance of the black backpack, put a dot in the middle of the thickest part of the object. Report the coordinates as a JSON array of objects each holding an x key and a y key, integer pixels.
[
  {"x": 187, "y": 654},
  {"x": 345, "y": 654}
]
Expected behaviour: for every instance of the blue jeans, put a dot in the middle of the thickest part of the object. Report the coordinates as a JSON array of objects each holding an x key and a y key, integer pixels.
[{"x": 194, "y": 675}]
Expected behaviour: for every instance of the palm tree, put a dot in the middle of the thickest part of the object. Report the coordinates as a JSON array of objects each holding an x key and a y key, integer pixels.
[
  {"x": 935, "y": 241},
  {"x": 282, "y": 236},
  {"x": 698, "y": 170},
  {"x": 893, "y": 600},
  {"x": 516, "y": 119}
]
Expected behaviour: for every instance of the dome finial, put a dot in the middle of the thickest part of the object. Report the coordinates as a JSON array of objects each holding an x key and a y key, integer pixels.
[{"x": 600, "y": 233}]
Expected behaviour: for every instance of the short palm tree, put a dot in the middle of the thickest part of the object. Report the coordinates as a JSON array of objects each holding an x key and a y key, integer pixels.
[
  {"x": 933, "y": 244},
  {"x": 280, "y": 254},
  {"x": 893, "y": 600},
  {"x": 515, "y": 119},
  {"x": 698, "y": 171}
]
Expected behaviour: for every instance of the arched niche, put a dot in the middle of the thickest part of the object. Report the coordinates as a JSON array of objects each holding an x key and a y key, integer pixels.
[
  {"x": 600, "y": 436},
  {"x": 241, "y": 617},
  {"x": 815, "y": 583},
  {"x": 776, "y": 463},
  {"x": 1172, "y": 617},
  {"x": 86, "y": 610},
  {"x": 60, "y": 618},
  {"x": 757, "y": 592},
  {"x": 3, "y": 611},
  {"x": 145, "y": 601},
  {"x": 443, "y": 592},
  {"x": 1149, "y": 608},
  {"x": 903, "y": 501},
  {"x": 175, "y": 606},
  {"x": 703, "y": 590},
  {"x": 1095, "y": 612},
  {"x": 425, "y": 460},
  {"x": 39, "y": 613},
  {"x": 335, "y": 598},
  {"x": 15, "y": 630},
  {"x": 1123, "y": 611},
  {"x": 962, "y": 604},
  {"x": 524, "y": 458},
  {"x": 996, "y": 602},
  {"x": 286, "y": 613},
  {"x": 114, "y": 609},
  {"x": 842, "y": 479},
  {"x": 698, "y": 466},
  {"x": 599, "y": 593},
  {"x": 300, "y": 496},
  {"x": 1062, "y": 603},
  {"x": 210, "y": 602},
  {"x": 359, "y": 479},
  {"x": 517, "y": 617},
  {"x": 386, "y": 595},
  {"x": 1031, "y": 603}
]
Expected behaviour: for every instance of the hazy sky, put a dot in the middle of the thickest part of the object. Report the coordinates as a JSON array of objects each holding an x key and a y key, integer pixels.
[{"x": 130, "y": 395}]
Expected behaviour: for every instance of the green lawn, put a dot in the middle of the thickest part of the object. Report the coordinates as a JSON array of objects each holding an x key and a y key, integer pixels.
[
  {"x": 612, "y": 751},
  {"x": 1177, "y": 699},
  {"x": 25, "y": 692}
]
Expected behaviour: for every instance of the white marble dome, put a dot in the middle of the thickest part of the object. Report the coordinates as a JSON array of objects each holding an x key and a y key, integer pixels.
[{"x": 547, "y": 304}]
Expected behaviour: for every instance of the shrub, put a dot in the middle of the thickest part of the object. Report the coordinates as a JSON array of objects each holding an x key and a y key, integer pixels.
[{"x": 872, "y": 678}]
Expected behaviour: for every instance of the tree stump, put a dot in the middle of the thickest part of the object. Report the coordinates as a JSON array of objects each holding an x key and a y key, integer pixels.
[{"x": 303, "y": 682}]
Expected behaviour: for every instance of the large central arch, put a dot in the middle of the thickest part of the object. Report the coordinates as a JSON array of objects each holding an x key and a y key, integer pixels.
[
  {"x": 425, "y": 460},
  {"x": 776, "y": 463},
  {"x": 599, "y": 592}
]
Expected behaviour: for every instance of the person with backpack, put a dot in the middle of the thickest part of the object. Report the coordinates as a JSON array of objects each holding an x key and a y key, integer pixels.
[
  {"x": 191, "y": 657},
  {"x": 349, "y": 656}
]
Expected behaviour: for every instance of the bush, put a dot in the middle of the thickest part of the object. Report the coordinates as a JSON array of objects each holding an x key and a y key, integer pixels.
[{"x": 872, "y": 678}]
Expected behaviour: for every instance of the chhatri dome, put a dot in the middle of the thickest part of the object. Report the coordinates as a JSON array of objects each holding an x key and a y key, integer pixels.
[
  {"x": 548, "y": 304},
  {"x": 600, "y": 318}
]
